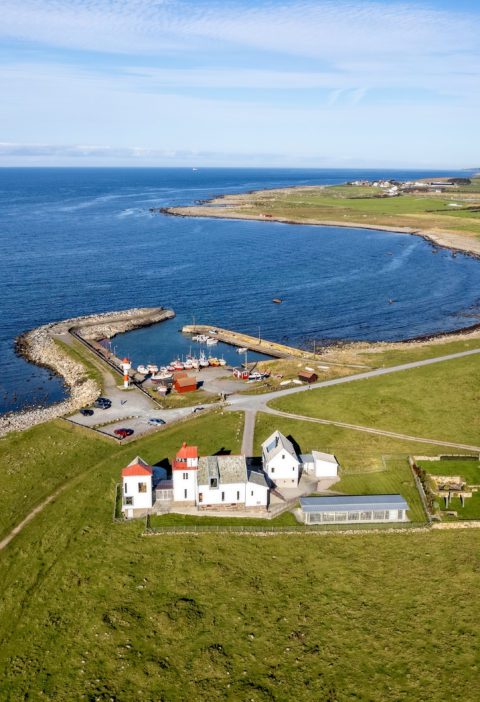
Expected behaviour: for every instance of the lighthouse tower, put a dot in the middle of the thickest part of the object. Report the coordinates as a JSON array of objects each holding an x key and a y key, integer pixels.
[
  {"x": 126, "y": 365},
  {"x": 184, "y": 474}
]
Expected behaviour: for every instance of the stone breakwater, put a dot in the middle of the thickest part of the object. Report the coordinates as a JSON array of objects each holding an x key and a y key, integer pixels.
[{"x": 38, "y": 346}]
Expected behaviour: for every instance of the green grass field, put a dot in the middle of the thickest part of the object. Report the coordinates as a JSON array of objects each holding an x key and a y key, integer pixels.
[
  {"x": 337, "y": 203},
  {"x": 91, "y": 609},
  {"x": 438, "y": 401}
]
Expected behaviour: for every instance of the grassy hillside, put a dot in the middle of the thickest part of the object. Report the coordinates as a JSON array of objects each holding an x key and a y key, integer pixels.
[{"x": 438, "y": 401}]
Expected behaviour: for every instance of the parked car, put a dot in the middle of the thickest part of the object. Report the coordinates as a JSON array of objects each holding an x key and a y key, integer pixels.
[
  {"x": 102, "y": 403},
  {"x": 198, "y": 409},
  {"x": 123, "y": 433},
  {"x": 86, "y": 412},
  {"x": 156, "y": 420}
]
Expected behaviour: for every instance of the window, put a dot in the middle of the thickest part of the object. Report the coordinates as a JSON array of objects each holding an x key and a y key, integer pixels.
[
  {"x": 213, "y": 482},
  {"x": 251, "y": 493},
  {"x": 223, "y": 497},
  {"x": 400, "y": 513},
  {"x": 365, "y": 516},
  {"x": 340, "y": 516},
  {"x": 238, "y": 494},
  {"x": 353, "y": 516},
  {"x": 125, "y": 486},
  {"x": 272, "y": 469},
  {"x": 293, "y": 469},
  {"x": 200, "y": 496},
  {"x": 379, "y": 514},
  {"x": 185, "y": 476},
  {"x": 142, "y": 487},
  {"x": 185, "y": 493},
  {"x": 129, "y": 501},
  {"x": 283, "y": 455}
]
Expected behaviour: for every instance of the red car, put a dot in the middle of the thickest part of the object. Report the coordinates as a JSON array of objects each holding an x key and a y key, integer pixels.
[{"x": 123, "y": 433}]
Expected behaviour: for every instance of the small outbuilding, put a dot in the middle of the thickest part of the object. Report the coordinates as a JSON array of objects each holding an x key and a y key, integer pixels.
[
  {"x": 353, "y": 509},
  {"x": 308, "y": 376},
  {"x": 186, "y": 384},
  {"x": 320, "y": 464}
]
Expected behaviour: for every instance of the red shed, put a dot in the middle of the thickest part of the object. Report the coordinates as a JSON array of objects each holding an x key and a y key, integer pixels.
[
  {"x": 308, "y": 376},
  {"x": 186, "y": 384}
]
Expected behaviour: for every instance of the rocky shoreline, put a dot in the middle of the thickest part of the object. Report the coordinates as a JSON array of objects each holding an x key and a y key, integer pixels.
[{"x": 38, "y": 346}]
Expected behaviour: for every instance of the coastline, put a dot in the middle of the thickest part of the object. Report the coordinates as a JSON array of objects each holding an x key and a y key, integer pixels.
[
  {"x": 39, "y": 346},
  {"x": 225, "y": 207}
]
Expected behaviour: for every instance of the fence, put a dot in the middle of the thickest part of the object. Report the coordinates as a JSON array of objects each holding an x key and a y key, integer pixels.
[{"x": 277, "y": 530}]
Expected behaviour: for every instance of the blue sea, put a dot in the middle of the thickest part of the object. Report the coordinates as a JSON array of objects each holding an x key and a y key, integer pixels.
[{"x": 80, "y": 241}]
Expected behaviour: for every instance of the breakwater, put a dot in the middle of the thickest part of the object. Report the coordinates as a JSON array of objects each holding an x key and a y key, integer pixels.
[
  {"x": 270, "y": 348},
  {"x": 40, "y": 346}
]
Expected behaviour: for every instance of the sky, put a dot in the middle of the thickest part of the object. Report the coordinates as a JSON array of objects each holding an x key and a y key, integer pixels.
[{"x": 274, "y": 83}]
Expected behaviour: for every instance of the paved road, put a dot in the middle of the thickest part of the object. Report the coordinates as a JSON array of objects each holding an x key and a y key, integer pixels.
[
  {"x": 372, "y": 430},
  {"x": 248, "y": 433},
  {"x": 258, "y": 402}
]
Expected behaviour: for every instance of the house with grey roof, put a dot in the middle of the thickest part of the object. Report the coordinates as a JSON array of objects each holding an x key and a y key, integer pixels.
[
  {"x": 228, "y": 482},
  {"x": 280, "y": 460},
  {"x": 353, "y": 509}
]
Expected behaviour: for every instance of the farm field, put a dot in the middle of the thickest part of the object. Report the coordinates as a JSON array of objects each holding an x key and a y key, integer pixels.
[
  {"x": 90, "y": 609},
  {"x": 360, "y": 205},
  {"x": 439, "y": 401}
]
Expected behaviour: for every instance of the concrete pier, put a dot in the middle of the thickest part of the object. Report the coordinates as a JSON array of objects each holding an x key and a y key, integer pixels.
[{"x": 252, "y": 343}]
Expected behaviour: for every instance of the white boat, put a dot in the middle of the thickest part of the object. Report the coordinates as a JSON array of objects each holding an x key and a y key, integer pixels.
[
  {"x": 211, "y": 342},
  {"x": 242, "y": 350},
  {"x": 152, "y": 368},
  {"x": 222, "y": 361},
  {"x": 203, "y": 361},
  {"x": 142, "y": 369},
  {"x": 188, "y": 365},
  {"x": 161, "y": 377}
]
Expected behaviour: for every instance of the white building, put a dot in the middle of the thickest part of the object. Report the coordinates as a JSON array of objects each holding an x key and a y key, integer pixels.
[
  {"x": 319, "y": 464},
  {"x": 226, "y": 481},
  {"x": 184, "y": 475},
  {"x": 137, "y": 488},
  {"x": 214, "y": 482},
  {"x": 353, "y": 509},
  {"x": 280, "y": 461}
]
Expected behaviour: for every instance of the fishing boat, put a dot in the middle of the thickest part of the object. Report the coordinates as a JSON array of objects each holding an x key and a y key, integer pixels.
[
  {"x": 170, "y": 368},
  {"x": 222, "y": 361},
  {"x": 203, "y": 363},
  {"x": 152, "y": 368},
  {"x": 177, "y": 364},
  {"x": 212, "y": 361},
  {"x": 142, "y": 369},
  {"x": 211, "y": 342},
  {"x": 242, "y": 349},
  {"x": 162, "y": 377},
  {"x": 188, "y": 365}
]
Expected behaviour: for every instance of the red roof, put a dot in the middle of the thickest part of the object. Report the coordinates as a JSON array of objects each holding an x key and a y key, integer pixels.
[
  {"x": 137, "y": 469},
  {"x": 187, "y": 451}
]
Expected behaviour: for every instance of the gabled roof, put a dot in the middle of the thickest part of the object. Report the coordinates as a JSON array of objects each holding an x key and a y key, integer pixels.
[
  {"x": 278, "y": 442},
  {"x": 226, "y": 469},
  {"x": 187, "y": 451},
  {"x": 137, "y": 467},
  {"x": 321, "y": 456}
]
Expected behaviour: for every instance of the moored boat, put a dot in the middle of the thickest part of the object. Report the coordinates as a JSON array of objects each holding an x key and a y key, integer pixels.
[
  {"x": 152, "y": 368},
  {"x": 142, "y": 369}
]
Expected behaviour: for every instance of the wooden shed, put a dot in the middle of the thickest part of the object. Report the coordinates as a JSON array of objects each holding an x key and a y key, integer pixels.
[
  {"x": 308, "y": 376},
  {"x": 186, "y": 384}
]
